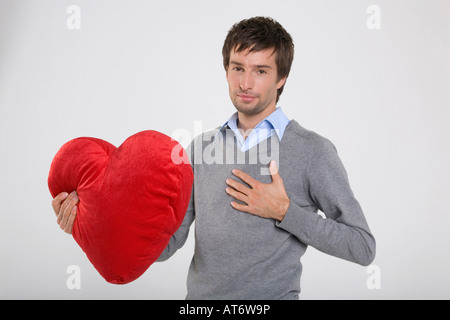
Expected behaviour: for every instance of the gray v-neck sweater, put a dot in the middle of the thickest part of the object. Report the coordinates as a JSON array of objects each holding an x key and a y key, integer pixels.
[{"x": 242, "y": 256}]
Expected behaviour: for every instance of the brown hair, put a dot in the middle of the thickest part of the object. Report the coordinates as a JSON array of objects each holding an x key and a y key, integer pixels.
[{"x": 261, "y": 33}]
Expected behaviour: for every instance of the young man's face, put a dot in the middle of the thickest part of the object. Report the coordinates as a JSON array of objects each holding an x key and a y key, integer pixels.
[{"x": 253, "y": 81}]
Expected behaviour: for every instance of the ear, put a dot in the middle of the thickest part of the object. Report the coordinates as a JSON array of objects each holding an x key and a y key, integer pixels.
[{"x": 281, "y": 82}]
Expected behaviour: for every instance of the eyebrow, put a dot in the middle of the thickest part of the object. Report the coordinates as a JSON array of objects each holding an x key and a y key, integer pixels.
[{"x": 259, "y": 66}]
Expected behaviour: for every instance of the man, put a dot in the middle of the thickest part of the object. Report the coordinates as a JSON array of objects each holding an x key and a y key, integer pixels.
[{"x": 252, "y": 224}]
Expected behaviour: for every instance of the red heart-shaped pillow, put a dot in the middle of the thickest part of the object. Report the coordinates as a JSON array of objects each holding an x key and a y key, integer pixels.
[{"x": 132, "y": 199}]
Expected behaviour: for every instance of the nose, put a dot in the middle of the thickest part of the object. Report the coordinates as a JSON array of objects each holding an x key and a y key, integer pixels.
[{"x": 246, "y": 82}]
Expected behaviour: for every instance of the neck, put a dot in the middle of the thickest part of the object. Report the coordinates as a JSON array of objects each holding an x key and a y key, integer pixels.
[{"x": 247, "y": 122}]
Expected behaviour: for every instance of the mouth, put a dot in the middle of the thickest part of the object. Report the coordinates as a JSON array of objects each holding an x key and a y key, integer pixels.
[{"x": 246, "y": 98}]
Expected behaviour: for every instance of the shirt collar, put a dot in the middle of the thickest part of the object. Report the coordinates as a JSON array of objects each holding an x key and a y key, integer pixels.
[{"x": 277, "y": 120}]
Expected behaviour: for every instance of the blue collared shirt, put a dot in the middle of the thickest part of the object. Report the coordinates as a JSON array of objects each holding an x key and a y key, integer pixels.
[{"x": 276, "y": 122}]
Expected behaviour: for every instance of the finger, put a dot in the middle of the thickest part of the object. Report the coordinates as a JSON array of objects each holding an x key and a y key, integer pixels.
[
  {"x": 238, "y": 186},
  {"x": 67, "y": 207},
  {"x": 241, "y": 207},
  {"x": 64, "y": 205},
  {"x": 237, "y": 195},
  {"x": 245, "y": 177},
  {"x": 56, "y": 202},
  {"x": 69, "y": 226},
  {"x": 66, "y": 217},
  {"x": 273, "y": 168}
]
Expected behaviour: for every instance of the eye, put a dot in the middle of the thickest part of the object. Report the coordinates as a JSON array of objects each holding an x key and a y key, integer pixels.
[
  {"x": 262, "y": 72},
  {"x": 238, "y": 69}
]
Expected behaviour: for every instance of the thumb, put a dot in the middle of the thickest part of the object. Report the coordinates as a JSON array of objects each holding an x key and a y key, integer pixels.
[{"x": 273, "y": 168}]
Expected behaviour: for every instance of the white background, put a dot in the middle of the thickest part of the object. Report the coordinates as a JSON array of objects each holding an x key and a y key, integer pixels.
[{"x": 382, "y": 96}]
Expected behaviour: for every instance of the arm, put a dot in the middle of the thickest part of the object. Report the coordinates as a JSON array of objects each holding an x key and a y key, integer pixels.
[{"x": 345, "y": 233}]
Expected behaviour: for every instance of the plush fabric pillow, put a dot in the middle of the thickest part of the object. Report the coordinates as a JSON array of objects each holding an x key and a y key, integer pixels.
[{"x": 132, "y": 199}]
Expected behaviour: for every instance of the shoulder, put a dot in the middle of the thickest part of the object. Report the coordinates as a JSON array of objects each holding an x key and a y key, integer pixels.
[
  {"x": 314, "y": 142},
  {"x": 319, "y": 152},
  {"x": 204, "y": 138}
]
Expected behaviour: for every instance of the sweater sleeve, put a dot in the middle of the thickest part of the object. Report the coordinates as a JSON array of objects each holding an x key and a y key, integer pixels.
[{"x": 344, "y": 233}]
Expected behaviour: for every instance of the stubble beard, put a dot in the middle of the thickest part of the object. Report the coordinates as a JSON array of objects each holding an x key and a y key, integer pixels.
[{"x": 248, "y": 109}]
